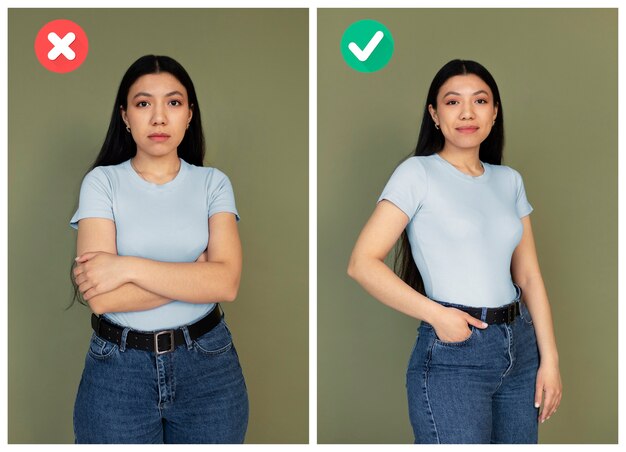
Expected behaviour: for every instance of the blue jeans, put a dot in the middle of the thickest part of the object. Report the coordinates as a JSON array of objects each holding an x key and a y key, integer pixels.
[
  {"x": 480, "y": 390},
  {"x": 194, "y": 394}
]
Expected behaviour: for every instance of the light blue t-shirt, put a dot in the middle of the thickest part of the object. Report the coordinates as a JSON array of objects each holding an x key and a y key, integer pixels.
[
  {"x": 167, "y": 222},
  {"x": 462, "y": 229}
]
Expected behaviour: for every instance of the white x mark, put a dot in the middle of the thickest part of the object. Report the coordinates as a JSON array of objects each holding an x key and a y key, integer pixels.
[{"x": 61, "y": 46}]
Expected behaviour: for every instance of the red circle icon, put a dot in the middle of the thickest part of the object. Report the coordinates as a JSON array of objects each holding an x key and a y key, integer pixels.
[{"x": 61, "y": 46}]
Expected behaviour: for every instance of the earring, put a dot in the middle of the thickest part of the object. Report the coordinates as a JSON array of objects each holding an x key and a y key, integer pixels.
[
  {"x": 128, "y": 129},
  {"x": 436, "y": 126},
  {"x": 187, "y": 125}
]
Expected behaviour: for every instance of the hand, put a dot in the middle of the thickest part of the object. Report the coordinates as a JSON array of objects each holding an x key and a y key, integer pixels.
[
  {"x": 549, "y": 388},
  {"x": 452, "y": 325},
  {"x": 99, "y": 272}
]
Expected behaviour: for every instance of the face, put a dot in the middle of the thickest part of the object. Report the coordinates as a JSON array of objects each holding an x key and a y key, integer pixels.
[
  {"x": 465, "y": 111},
  {"x": 157, "y": 113}
]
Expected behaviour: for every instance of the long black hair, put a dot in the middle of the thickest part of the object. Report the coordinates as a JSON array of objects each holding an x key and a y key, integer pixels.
[
  {"x": 431, "y": 140},
  {"x": 119, "y": 145}
]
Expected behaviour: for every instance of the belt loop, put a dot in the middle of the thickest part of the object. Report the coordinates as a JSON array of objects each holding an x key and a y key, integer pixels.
[
  {"x": 123, "y": 339},
  {"x": 483, "y": 315},
  {"x": 518, "y": 292},
  {"x": 187, "y": 337}
]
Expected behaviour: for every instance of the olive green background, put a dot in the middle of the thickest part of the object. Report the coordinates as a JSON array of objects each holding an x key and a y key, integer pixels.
[
  {"x": 557, "y": 74},
  {"x": 250, "y": 70}
]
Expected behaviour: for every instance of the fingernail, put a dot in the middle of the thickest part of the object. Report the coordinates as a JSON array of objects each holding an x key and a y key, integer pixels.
[
  {"x": 485, "y": 325},
  {"x": 537, "y": 404}
]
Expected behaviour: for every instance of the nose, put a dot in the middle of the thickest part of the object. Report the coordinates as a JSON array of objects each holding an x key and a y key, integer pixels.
[
  {"x": 159, "y": 116},
  {"x": 467, "y": 112}
]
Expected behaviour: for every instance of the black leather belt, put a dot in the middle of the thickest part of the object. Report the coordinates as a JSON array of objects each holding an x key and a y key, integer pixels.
[
  {"x": 159, "y": 342},
  {"x": 503, "y": 314}
]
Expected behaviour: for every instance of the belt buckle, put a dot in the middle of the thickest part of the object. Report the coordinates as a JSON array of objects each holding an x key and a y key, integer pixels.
[{"x": 156, "y": 342}]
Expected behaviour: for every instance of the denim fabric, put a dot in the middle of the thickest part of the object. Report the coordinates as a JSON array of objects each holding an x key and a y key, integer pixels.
[
  {"x": 195, "y": 394},
  {"x": 479, "y": 390}
]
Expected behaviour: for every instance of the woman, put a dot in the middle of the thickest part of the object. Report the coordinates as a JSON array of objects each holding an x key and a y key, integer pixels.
[
  {"x": 158, "y": 249},
  {"x": 485, "y": 359}
]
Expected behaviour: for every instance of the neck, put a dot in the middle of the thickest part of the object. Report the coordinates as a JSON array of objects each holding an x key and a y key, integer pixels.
[
  {"x": 160, "y": 166},
  {"x": 462, "y": 158}
]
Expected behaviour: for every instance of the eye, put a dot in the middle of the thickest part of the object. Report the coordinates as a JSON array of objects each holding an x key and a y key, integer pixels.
[
  {"x": 482, "y": 101},
  {"x": 452, "y": 102},
  {"x": 142, "y": 104},
  {"x": 176, "y": 103}
]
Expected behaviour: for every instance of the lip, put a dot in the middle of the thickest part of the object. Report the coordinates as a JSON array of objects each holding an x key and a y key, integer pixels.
[
  {"x": 470, "y": 129},
  {"x": 159, "y": 136}
]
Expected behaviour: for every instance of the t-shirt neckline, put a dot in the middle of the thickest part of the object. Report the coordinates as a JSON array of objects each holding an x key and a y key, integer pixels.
[
  {"x": 458, "y": 173},
  {"x": 182, "y": 172}
]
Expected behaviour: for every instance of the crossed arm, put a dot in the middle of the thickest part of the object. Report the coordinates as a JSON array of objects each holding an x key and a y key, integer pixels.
[{"x": 112, "y": 283}]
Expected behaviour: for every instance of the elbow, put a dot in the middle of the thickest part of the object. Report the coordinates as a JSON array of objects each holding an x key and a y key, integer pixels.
[
  {"x": 97, "y": 305},
  {"x": 354, "y": 267},
  {"x": 362, "y": 267},
  {"x": 231, "y": 291},
  {"x": 229, "y": 296}
]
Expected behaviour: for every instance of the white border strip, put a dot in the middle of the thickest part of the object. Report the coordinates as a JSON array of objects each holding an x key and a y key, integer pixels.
[{"x": 313, "y": 226}]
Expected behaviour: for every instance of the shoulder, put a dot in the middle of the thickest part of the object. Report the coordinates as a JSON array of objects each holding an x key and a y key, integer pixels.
[
  {"x": 507, "y": 176},
  {"x": 204, "y": 171},
  {"x": 509, "y": 172},
  {"x": 212, "y": 178},
  {"x": 211, "y": 174},
  {"x": 413, "y": 166},
  {"x": 107, "y": 176},
  {"x": 100, "y": 175},
  {"x": 107, "y": 171}
]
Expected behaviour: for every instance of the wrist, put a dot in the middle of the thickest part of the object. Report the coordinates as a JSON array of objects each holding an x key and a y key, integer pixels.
[
  {"x": 549, "y": 360},
  {"x": 432, "y": 311},
  {"x": 129, "y": 265}
]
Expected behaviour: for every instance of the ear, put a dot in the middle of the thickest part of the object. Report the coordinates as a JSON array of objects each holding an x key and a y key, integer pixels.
[
  {"x": 190, "y": 113},
  {"x": 433, "y": 113},
  {"x": 495, "y": 112},
  {"x": 124, "y": 116}
]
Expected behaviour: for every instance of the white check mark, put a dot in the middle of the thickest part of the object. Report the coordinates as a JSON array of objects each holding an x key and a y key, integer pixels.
[{"x": 364, "y": 54}]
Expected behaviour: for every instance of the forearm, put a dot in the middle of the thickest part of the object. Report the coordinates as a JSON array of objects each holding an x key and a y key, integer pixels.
[
  {"x": 192, "y": 282},
  {"x": 387, "y": 287},
  {"x": 127, "y": 298},
  {"x": 536, "y": 298}
]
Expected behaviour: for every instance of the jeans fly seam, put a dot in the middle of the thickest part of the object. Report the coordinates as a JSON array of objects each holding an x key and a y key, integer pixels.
[
  {"x": 172, "y": 378},
  {"x": 430, "y": 410},
  {"x": 159, "y": 381},
  {"x": 508, "y": 369}
]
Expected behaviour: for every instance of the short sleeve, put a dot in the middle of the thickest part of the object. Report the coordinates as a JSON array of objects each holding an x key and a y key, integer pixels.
[
  {"x": 522, "y": 205},
  {"x": 407, "y": 187},
  {"x": 96, "y": 198},
  {"x": 221, "y": 197}
]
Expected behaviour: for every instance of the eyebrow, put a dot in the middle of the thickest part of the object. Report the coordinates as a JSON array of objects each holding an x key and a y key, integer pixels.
[
  {"x": 480, "y": 91},
  {"x": 172, "y": 93}
]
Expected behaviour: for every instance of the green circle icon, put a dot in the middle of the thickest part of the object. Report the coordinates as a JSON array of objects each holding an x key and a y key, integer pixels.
[{"x": 367, "y": 46}]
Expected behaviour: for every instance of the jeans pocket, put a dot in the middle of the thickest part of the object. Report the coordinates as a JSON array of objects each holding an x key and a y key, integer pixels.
[
  {"x": 525, "y": 313},
  {"x": 459, "y": 343},
  {"x": 100, "y": 348},
  {"x": 216, "y": 341}
]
